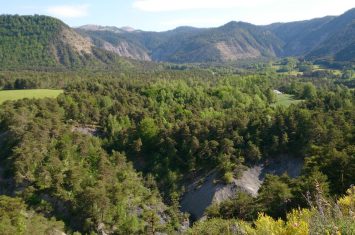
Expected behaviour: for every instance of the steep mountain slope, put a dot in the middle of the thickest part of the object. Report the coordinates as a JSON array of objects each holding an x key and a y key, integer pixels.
[
  {"x": 341, "y": 40},
  {"x": 325, "y": 37},
  {"x": 328, "y": 37},
  {"x": 41, "y": 41},
  {"x": 301, "y": 36},
  {"x": 136, "y": 44},
  {"x": 233, "y": 41},
  {"x": 114, "y": 40}
]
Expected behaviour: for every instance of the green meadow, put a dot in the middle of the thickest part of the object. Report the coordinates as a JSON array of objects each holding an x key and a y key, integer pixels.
[
  {"x": 285, "y": 100},
  {"x": 31, "y": 94}
]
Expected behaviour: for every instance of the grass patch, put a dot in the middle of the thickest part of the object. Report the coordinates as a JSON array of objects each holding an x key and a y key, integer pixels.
[
  {"x": 31, "y": 94},
  {"x": 285, "y": 100},
  {"x": 292, "y": 73}
]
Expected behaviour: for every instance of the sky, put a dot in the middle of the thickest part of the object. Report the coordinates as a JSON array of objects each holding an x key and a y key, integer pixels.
[{"x": 160, "y": 15}]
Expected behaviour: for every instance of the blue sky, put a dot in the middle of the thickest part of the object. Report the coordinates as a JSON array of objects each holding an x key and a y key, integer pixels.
[{"x": 159, "y": 15}]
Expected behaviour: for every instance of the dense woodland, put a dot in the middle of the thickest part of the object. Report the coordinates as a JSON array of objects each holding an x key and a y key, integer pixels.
[
  {"x": 118, "y": 150},
  {"x": 36, "y": 43},
  {"x": 154, "y": 133}
]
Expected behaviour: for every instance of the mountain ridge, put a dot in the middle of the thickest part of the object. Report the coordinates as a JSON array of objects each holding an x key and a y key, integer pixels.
[
  {"x": 42, "y": 41},
  {"x": 239, "y": 40}
]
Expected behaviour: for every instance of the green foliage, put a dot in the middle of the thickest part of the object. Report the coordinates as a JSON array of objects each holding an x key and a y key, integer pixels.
[
  {"x": 309, "y": 91},
  {"x": 218, "y": 226},
  {"x": 69, "y": 175},
  {"x": 32, "y": 45},
  {"x": 30, "y": 42},
  {"x": 241, "y": 206},
  {"x": 172, "y": 126},
  {"x": 325, "y": 218},
  {"x": 15, "y": 219},
  {"x": 228, "y": 177},
  {"x": 274, "y": 196},
  {"x": 148, "y": 130}
]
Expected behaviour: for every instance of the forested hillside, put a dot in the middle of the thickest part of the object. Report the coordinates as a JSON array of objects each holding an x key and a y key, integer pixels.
[
  {"x": 45, "y": 42},
  {"x": 64, "y": 174}
]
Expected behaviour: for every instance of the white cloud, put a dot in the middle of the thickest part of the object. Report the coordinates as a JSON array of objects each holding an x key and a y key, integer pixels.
[
  {"x": 176, "y": 5},
  {"x": 196, "y": 22},
  {"x": 316, "y": 6},
  {"x": 68, "y": 11}
]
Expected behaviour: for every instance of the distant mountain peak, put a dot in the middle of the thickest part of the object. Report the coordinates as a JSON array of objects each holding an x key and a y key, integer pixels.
[
  {"x": 233, "y": 22},
  {"x": 352, "y": 10},
  {"x": 128, "y": 29},
  {"x": 236, "y": 24},
  {"x": 93, "y": 27}
]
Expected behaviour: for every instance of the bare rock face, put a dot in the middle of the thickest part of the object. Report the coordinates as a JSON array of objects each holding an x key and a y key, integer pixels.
[
  {"x": 79, "y": 43},
  {"x": 125, "y": 49},
  {"x": 57, "y": 232},
  {"x": 101, "y": 229},
  {"x": 87, "y": 130},
  {"x": 236, "y": 51},
  {"x": 201, "y": 195}
]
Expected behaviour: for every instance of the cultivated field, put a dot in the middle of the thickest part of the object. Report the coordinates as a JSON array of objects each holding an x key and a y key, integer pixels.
[{"x": 31, "y": 94}]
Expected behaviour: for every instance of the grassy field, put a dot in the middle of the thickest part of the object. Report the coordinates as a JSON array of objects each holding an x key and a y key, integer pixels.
[
  {"x": 285, "y": 100},
  {"x": 21, "y": 94}
]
